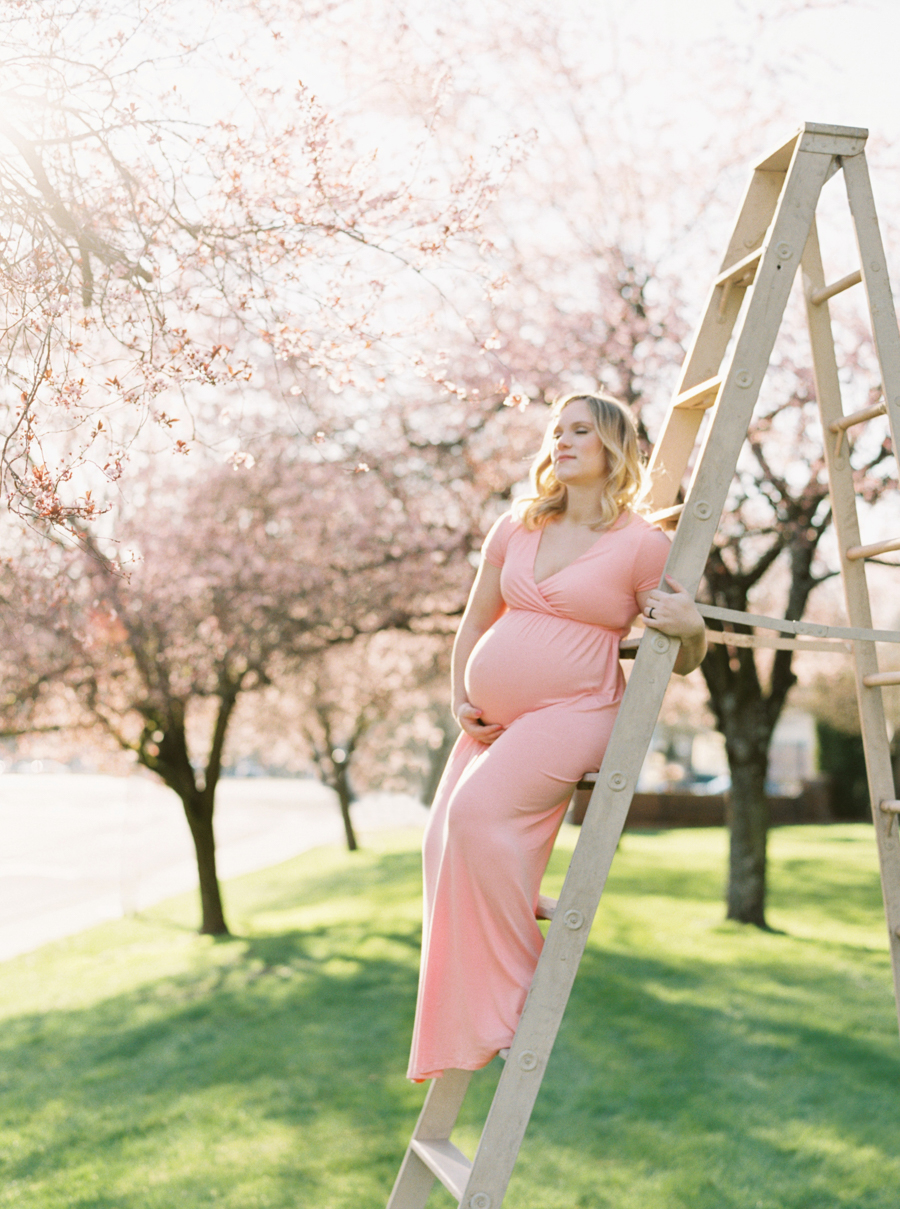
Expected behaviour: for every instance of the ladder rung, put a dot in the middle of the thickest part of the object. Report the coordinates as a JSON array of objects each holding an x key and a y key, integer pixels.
[
  {"x": 628, "y": 648},
  {"x": 836, "y": 287},
  {"x": 741, "y": 272},
  {"x": 588, "y": 781},
  {"x": 858, "y": 417},
  {"x": 813, "y": 629},
  {"x": 665, "y": 516},
  {"x": 831, "y": 646},
  {"x": 545, "y": 906},
  {"x": 880, "y": 679},
  {"x": 699, "y": 397},
  {"x": 446, "y": 1161},
  {"x": 891, "y": 806},
  {"x": 856, "y": 552}
]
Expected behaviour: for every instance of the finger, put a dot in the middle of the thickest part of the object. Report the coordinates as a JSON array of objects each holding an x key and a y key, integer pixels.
[{"x": 488, "y": 736}]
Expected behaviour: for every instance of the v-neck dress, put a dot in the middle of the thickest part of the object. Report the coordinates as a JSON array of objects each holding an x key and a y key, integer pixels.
[{"x": 548, "y": 671}]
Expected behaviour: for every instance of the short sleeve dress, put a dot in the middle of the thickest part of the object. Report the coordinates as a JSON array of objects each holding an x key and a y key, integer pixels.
[{"x": 548, "y": 670}]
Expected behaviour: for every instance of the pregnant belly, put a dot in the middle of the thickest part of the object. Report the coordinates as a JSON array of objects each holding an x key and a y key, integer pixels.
[{"x": 528, "y": 660}]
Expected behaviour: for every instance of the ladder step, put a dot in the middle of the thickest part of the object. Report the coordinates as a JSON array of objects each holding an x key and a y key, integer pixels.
[
  {"x": 588, "y": 781},
  {"x": 741, "y": 272},
  {"x": 858, "y": 417},
  {"x": 665, "y": 516},
  {"x": 856, "y": 552},
  {"x": 832, "y": 646},
  {"x": 628, "y": 648},
  {"x": 891, "y": 806},
  {"x": 546, "y": 906},
  {"x": 699, "y": 398},
  {"x": 837, "y": 287},
  {"x": 446, "y": 1161},
  {"x": 881, "y": 679}
]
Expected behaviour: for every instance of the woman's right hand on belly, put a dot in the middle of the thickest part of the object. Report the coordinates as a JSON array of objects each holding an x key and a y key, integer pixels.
[{"x": 469, "y": 718}]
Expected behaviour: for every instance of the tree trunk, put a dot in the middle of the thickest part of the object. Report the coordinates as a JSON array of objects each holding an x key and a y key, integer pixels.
[
  {"x": 746, "y": 716},
  {"x": 164, "y": 750},
  {"x": 198, "y": 809},
  {"x": 438, "y": 758},
  {"x": 346, "y": 798},
  {"x": 748, "y": 825}
]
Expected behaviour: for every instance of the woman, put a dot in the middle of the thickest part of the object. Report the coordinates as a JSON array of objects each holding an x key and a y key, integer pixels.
[{"x": 536, "y": 686}]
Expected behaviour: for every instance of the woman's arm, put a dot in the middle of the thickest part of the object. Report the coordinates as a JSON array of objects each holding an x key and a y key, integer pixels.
[
  {"x": 674, "y": 613},
  {"x": 484, "y": 606}
]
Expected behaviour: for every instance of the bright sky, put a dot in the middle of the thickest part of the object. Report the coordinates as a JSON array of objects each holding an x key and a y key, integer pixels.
[{"x": 856, "y": 41}]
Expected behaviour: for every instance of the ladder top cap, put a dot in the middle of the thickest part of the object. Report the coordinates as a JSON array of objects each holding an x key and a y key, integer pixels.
[
  {"x": 779, "y": 160},
  {"x": 847, "y": 132}
]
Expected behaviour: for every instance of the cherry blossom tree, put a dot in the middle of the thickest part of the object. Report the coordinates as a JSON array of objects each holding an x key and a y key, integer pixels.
[
  {"x": 219, "y": 587},
  {"x": 183, "y": 214},
  {"x": 402, "y": 303},
  {"x": 366, "y": 711}
]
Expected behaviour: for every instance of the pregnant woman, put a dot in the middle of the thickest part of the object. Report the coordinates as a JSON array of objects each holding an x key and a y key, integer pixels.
[{"x": 536, "y": 688}]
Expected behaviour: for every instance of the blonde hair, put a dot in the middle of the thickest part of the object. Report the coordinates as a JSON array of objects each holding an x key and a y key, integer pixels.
[{"x": 625, "y": 481}]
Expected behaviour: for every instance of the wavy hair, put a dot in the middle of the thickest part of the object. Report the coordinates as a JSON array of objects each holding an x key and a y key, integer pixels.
[{"x": 625, "y": 483}]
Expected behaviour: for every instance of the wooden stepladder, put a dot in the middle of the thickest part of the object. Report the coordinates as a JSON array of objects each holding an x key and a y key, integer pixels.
[{"x": 775, "y": 233}]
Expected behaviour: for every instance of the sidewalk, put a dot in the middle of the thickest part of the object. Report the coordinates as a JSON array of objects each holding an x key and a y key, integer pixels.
[{"x": 78, "y": 850}]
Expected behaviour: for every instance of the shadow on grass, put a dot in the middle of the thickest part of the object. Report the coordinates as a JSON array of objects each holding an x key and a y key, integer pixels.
[
  {"x": 395, "y": 876},
  {"x": 301, "y": 1025},
  {"x": 279, "y": 1058},
  {"x": 288, "y": 1028},
  {"x": 764, "y": 1098}
]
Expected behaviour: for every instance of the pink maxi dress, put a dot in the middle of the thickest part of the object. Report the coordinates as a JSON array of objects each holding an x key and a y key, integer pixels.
[{"x": 548, "y": 670}]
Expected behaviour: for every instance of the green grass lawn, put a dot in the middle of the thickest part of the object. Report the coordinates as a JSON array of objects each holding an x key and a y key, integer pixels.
[{"x": 701, "y": 1065}]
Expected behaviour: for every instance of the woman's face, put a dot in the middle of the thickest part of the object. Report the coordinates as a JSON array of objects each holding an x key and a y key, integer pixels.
[{"x": 577, "y": 453}]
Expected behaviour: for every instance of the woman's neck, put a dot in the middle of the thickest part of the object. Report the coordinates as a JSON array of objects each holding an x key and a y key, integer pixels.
[{"x": 583, "y": 507}]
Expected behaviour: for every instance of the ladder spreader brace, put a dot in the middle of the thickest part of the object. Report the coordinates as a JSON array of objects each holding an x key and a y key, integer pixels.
[{"x": 775, "y": 233}]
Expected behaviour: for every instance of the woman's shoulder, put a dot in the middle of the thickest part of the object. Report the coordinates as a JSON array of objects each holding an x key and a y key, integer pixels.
[
  {"x": 650, "y": 548},
  {"x": 641, "y": 530},
  {"x": 499, "y": 536}
]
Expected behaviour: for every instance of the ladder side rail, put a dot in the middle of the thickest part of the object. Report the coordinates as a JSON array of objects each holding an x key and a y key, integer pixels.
[
  {"x": 756, "y": 339},
  {"x": 436, "y": 1120},
  {"x": 754, "y": 228},
  {"x": 846, "y": 522},
  {"x": 678, "y": 436},
  {"x": 755, "y": 213},
  {"x": 877, "y": 286},
  {"x": 589, "y": 867},
  {"x": 754, "y": 218},
  {"x": 671, "y": 455}
]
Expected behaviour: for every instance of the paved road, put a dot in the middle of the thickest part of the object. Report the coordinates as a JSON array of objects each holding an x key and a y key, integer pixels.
[{"x": 76, "y": 850}]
